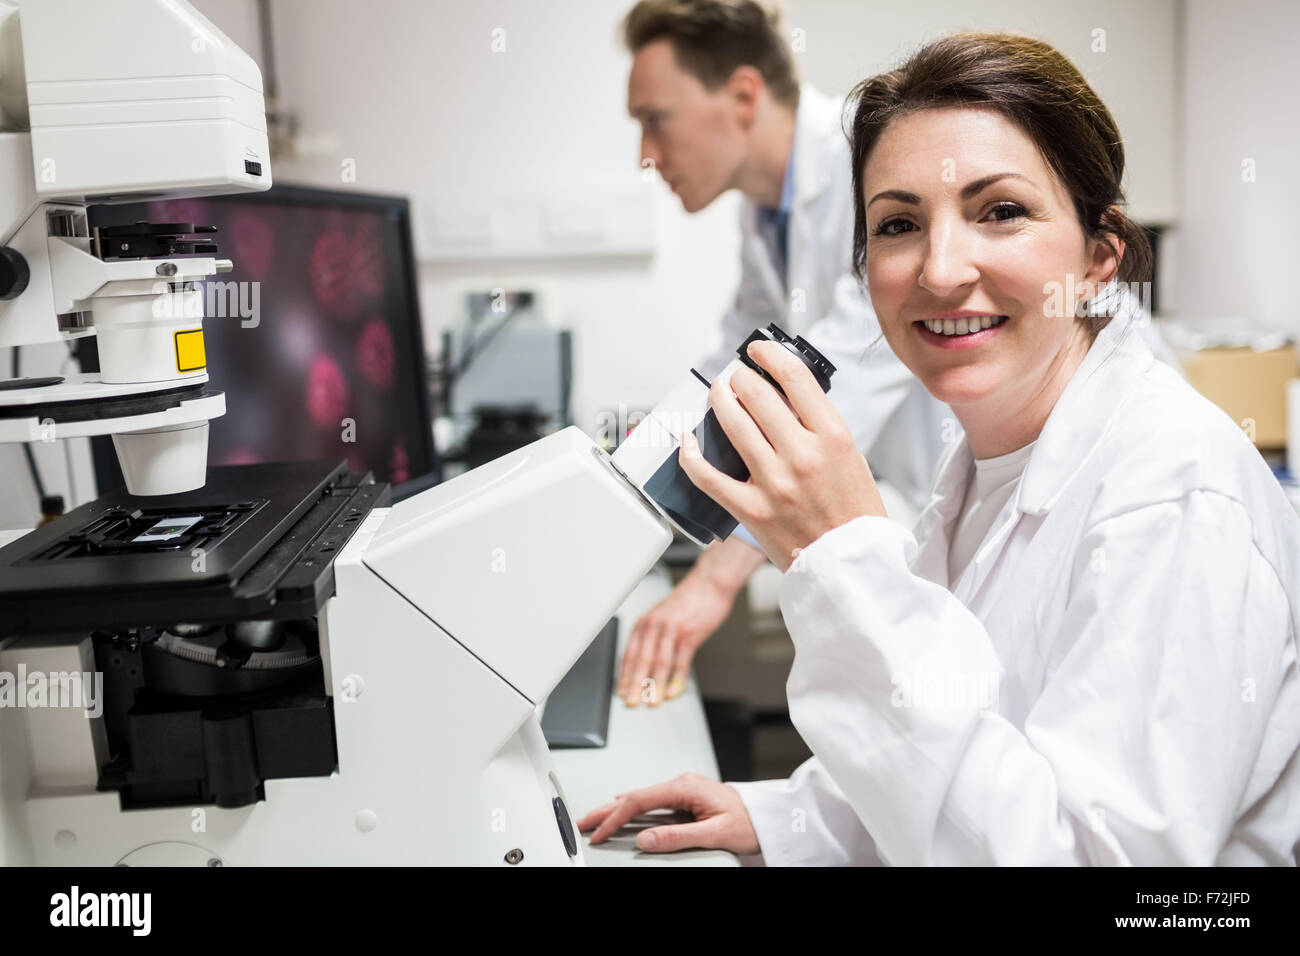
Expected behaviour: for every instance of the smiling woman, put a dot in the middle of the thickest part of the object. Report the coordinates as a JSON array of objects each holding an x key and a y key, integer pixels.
[
  {"x": 1104, "y": 554},
  {"x": 994, "y": 175}
]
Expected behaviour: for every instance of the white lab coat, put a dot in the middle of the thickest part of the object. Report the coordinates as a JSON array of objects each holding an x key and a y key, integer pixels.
[
  {"x": 1137, "y": 600},
  {"x": 895, "y": 421}
]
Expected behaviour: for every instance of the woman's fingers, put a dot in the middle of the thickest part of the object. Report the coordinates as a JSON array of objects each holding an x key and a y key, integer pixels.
[
  {"x": 806, "y": 396},
  {"x": 658, "y": 797},
  {"x": 741, "y": 429},
  {"x": 769, "y": 411},
  {"x": 736, "y": 496},
  {"x": 594, "y": 818},
  {"x": 707, "y": 834}
]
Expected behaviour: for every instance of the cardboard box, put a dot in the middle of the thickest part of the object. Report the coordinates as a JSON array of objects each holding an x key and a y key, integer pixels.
[{"x": 1249, "y": 385}]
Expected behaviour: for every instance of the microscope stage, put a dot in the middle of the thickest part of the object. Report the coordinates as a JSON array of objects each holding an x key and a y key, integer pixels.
[{"x": 255, "y": 541}]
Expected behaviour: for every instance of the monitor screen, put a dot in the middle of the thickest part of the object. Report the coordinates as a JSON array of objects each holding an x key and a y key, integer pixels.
[{"x": 315, "y": 336}]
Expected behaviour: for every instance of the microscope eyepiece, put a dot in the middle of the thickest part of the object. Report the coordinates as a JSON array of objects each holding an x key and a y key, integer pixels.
[
  {"x": 650, "y": 456},
  {"x": 808, "y": 353}
]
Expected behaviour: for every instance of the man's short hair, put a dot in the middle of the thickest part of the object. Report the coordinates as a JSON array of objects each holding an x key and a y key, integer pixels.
[{"x": 711, "y": 38}]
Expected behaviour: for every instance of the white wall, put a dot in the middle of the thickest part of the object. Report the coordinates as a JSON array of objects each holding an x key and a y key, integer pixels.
[{"x": 1240, "y": 245}]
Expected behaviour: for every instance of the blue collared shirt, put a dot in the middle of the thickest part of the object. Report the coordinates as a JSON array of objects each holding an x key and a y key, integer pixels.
[
  {"x": 774, "y": 224},
  {"x": 774, "y": 227}
]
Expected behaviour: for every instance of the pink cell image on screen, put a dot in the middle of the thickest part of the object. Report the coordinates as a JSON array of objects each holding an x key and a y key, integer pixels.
[
  {"x": 368, "y": 259},
  {"x": 254, "y": 242},
  {"x": 333, "y": 274},
  {"x": 375, "y": 354},
  {"x": 399, "y": 465},
  {"x": 327, "y": 392}
]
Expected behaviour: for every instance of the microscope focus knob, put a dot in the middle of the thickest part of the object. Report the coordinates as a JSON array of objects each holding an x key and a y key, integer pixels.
[{"x": 14, "y": 273}]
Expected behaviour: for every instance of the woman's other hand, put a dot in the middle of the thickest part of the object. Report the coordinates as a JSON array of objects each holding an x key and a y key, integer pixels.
[
  {"x": 806, "y": 475},
  {"x": 721, "y": 820}
]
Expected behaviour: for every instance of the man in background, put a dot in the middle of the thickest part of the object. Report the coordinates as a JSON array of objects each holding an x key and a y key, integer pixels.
[{"x": 714, "y": 88}]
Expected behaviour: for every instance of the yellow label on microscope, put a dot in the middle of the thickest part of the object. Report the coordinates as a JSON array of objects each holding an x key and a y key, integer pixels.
[{"x": 190, "y": 356}]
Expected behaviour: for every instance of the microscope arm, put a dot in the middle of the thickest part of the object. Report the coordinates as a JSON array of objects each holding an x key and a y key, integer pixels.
[{"x": 524, "y": 559}]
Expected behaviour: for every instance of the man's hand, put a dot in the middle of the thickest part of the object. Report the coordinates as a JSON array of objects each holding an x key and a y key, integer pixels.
[
  {"x": 663, "y": 642},
  {"x": 721, "y": 820}
]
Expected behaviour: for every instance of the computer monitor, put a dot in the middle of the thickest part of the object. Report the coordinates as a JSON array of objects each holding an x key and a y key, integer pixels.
[{"x": 317, "y": 344}]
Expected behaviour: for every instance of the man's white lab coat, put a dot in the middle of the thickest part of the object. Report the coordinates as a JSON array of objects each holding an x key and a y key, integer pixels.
[
  {"x": 895, "y": 421},
  {"x": 1135, "y": 608}
]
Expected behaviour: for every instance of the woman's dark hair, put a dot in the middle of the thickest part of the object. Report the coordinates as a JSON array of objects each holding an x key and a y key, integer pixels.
[{"x": 1032, "y": 84}]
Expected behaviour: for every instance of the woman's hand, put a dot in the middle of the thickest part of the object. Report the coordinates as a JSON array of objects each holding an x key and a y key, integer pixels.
[
  {"x": 806, "y": 475},
  {"x": 721, "y": 820}
]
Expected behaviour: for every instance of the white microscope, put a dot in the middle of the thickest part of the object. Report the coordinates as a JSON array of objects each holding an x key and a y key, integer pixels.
[{"x": 269, "y": 664}]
